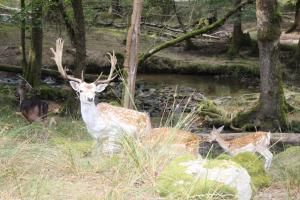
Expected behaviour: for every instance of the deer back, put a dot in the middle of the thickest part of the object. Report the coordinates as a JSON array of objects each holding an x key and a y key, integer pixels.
[
  {"x": 179, "y": 139},
  {"x": 129, "y": 120}
]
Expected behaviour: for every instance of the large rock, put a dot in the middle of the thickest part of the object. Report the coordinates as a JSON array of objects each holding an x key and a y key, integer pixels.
[
  {"x": 254, "y": 165},
  {"x": 286, "y": 166},
  {"x": 188, "y": 178}
]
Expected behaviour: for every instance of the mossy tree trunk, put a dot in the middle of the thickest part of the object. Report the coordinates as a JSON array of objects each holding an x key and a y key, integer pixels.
[
  {"x": 189, "y": 45},
  {"x": 23, "y": 34},
  {"x": 32, "y": 72},
  {"x": 131, "y": 56},
  {"x": 272, "y": 105},
  {"x": 79, "y": 30},
  {"x": 270, "y": 113},
  {"x": 237, "y": 35},
  {"x": 296, "y": 58},
  {"x": 296, "y": 24},
  {"x": 77, "y": 35}
]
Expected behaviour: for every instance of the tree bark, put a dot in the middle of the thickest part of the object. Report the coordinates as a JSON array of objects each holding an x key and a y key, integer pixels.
[
  {"x": 23, "y": 34},
  {"x": 69, "y": 26},
  {"x": 296, "y": 58},
  {"x": 131, "y": 56},
  {"x": 296, "y": 24},
  {"x": 270, "y": 112},
  {"x": 33, "y": 70},
  {"x": 271, "y": 109},
  {"x": 193, "y": 33},
  {"x": 189, "y": 45},
  {"x": 79, "y": 29},
  {"x": 237, "y": 35}
]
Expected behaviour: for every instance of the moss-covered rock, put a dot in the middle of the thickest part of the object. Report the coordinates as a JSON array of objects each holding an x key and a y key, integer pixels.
[
  {"x": 286, "y": 166},
  {"x": 254, "y": 165},
  {"x": 188, "y": 178}
]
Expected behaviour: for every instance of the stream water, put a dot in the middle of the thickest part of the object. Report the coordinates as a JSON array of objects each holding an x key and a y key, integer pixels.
[{"x": 209, "y": 86}]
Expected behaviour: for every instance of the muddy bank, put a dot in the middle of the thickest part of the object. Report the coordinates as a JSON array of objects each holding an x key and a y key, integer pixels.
[{"x": 166, "y": 65}]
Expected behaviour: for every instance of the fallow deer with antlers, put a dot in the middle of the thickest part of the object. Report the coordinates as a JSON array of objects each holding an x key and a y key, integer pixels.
[
  {"x": 104, "y": 122},
  {"x": 256, "y": 142}
]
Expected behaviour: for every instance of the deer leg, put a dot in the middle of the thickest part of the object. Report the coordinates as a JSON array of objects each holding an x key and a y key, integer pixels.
[{"x": 266, "y": 153}]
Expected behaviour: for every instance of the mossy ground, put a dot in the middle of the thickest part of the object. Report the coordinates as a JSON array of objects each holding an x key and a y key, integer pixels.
[
  {"x": 174, "y": 183},
  {"x": 254, "y": 165}
]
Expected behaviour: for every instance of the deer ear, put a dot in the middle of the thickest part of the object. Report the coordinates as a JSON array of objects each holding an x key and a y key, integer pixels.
[
  {"x": 74, "y": 85},
  {"x": 219, "y": 130},
  {"x": 101, "y": 87}
]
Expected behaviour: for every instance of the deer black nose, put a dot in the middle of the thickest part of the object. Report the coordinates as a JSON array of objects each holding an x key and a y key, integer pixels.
[{"x": 90, "y": 99}]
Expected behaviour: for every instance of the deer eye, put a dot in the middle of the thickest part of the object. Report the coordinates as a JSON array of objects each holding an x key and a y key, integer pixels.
[{"x": 80, "y": 91}]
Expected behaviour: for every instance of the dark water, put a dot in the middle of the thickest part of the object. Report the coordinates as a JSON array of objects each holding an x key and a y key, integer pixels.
[{"x": 209, "y": 86}]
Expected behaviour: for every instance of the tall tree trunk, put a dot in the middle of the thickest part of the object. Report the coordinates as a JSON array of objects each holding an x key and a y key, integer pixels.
[
  {"x": 23, "y": 32},
  {"x": 272, "y": 106},
  {"x": 69, "y": 26},
  {"x": 237, "y": 35},
  {"x": 189, "y": 45},
  {"x": 33, "y": 70},
  {"x": 295, "y": 61},
  {"x": 131, "y": 57},
  {"x": 296, "y": 24},
  {"x": 79, "y": 29},
  {"x": 76, "y": 33}
]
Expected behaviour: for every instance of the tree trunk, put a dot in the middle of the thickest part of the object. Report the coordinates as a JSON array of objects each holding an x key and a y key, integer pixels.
[
  {"x": 131, "y": 57},
  {"x": 271, "y": 109},
  {"x": 69, "y": 26},
  {"x": 296, "y": 58},
  {"x": 193, "y": 33},
  {"x": 79, "y": 29},
  {"x": 270, "y": 112},
  {"x": 76, "y": 32},
  {"x": 33, "y": 70},
  {"x": 23, "y": 32},
  {"x": 296, "y": 24},
  {"x": 189, "y": 45},
  {"x": 237, "y": 35}
]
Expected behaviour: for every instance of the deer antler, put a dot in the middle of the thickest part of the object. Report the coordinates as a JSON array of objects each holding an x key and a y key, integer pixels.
[
  {"x": 58, "y": 60},
  {"x": 113, "y": 62}
]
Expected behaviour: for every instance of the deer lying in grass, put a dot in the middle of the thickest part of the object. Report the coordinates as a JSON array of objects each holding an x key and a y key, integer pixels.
[
  {"x": 255, "y": 142},
  {"x": 103, "y": 121},
  {"x": 179, "y": 140},
  {"x": 32, "y": 109}
]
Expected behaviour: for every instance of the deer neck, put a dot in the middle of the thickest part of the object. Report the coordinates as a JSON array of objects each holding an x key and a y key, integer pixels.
[
  {"x": 223, "y": 143},
  {"x": 90, "y": 114}
]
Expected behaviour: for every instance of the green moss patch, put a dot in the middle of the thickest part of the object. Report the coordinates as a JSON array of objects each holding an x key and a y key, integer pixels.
[
  {"x": 253, "y": 165},
  {"x": 286, "y": 166},
  {"x": 174, "y": 183}
]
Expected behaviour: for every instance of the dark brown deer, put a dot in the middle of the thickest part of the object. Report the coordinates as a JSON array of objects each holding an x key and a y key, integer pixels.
[{"x": 33, "y": 109}]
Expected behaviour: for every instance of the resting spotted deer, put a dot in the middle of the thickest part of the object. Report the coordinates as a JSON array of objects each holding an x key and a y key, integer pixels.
[
  {"x": 104, "y": 122},
  {"x": 32, "y": 109},
  {"x": 180, "y": 141},
  {"x": 255, "y": 142}
]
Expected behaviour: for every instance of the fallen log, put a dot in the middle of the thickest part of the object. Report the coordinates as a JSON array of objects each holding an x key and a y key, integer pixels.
[
  {"x": 45, "y": 72},
  {"x": 290, "y": 138}
]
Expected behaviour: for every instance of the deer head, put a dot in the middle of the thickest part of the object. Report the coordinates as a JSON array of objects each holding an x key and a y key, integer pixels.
[
  {"x": 87, "y": 91},
  {"x": 215, "y": 133}
]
